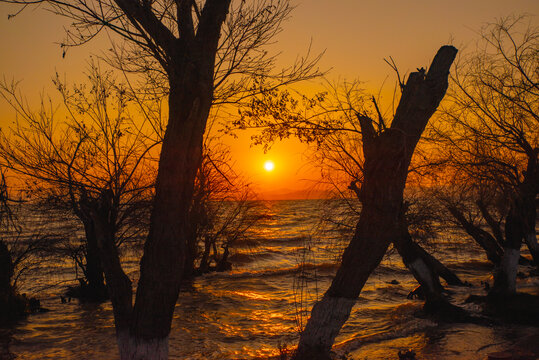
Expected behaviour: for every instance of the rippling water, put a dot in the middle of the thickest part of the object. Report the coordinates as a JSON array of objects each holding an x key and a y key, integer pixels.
[{"x": 249, "y": 312}]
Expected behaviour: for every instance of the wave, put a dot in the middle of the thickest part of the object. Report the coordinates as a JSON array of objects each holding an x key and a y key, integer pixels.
[
  {"x": 244, "y": 258},
  {"x": 473, "y": 264},
  {"x": 298, "y": 269},
  {"x": 403, "y": 323},
  {"x": 258, "y": 241}
]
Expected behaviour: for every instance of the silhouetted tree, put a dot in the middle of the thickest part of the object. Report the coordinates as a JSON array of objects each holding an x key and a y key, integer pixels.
[
  {"x": 201, "y": 47},
  {"x": 18, "y": 254},
  {"x": 376, "y": 155},
  {"x": 490, "y": 139},
  {"x": 387, "y": 157},
  {"x": 95, "y": 157},
  {"x": 221, "y": 213}
]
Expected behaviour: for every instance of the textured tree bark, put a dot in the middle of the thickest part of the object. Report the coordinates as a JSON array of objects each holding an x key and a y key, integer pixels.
[
  {"x": 165, "y": 250},
  {"x": 387, "y": 157},
  {"x": 189, "y": 61},
  {"x": 190, "y": 99}
]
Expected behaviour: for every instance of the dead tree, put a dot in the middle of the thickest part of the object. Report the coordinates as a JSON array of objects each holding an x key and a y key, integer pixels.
[{"x": 387, "y": 157}]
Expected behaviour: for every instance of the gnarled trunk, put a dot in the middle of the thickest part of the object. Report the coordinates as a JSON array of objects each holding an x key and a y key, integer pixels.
[
  {"x": 387, "y": 157},
  {"x": 189, "y": 61}
]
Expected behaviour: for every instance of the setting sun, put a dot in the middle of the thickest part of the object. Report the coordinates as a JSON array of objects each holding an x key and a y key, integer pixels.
[{"x": 269, "y": 165}]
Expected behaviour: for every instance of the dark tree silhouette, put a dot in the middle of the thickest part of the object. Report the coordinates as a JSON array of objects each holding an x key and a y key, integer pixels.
[
  {"x": 379, "y": 170},
  {"x": 69, "y": 164},
  {"x": 18, "y": 255},
  {"x": 489, "y": 138},
  {"x": 387, "y": 157},
  {"x": 200, "y": 48},
  {"x": 221, "y": 212}
]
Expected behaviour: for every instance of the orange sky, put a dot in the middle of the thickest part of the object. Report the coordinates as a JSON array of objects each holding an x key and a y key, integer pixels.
[{"x": 356, "y": 36}]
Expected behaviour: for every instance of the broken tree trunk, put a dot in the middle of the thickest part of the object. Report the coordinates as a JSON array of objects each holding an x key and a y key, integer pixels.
[{"x": 387, "y": 157}]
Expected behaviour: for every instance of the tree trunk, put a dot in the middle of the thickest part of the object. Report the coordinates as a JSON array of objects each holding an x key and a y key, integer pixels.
[
  {"x": 440, "y": 269},
  {"x": 102, "y": 213},
  {"x": 6, "y": 268},
  {"x": 533, "y": 246},
  {"x": 95, "y": 288},
  {"x": 425, "y": 275},
  {"x": 506, "y": 273},
  {"x": 519, "y": 225},
  {"x": 426, "y": 269},
  {"x": 493, "y": 224},
  {"x": 165, "y": 250},
  {"x": 530, "y": 236},
  {"x": 387, "y": 157},
  {"x": 484, "y": 239}
]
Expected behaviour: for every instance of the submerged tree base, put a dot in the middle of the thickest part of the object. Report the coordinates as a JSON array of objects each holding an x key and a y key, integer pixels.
[
  {"x": 518, "y": 308},
  {"x": 14, "y": 307},
  {"x": 87, "y": 293}
]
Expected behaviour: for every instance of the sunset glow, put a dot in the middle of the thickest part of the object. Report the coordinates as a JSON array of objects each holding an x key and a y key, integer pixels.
[{"x": 226, "y": 179}]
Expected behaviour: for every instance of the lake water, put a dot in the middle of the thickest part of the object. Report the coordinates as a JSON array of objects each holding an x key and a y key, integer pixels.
[{"x": 247, "y": 313}]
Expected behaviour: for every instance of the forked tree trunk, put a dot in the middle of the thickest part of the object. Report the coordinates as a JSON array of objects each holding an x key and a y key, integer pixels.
[
  {"x": 189, "y": 61},
  {"x": 387, "y": 157}
]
